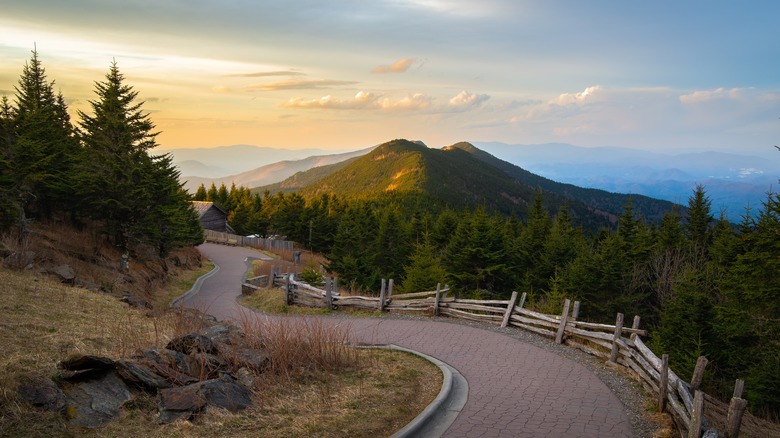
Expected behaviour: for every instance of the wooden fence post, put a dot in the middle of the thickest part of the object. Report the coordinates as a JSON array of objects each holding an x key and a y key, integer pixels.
[
  {"x": 663, "y": 385},
  {"x": 390, "y": 291},
  {"x": 522, "y": 300},
  {"x": 288, "y": 289},
  {"x": 576, "y": 312},
  {"x": 382, "y": 296},
  {"x": 635, "y": 326},
  {"x": 436, "y": 302},
  {"x": 734, "y": 418},
  {"x": 615, "y": 338},
  {"x": 564, "y": 317},
  {"x": 696, "y": 415},
  {"x": 329, "y": 293},
  {"x": 739, "y": 387},
  {"x": 698, "y": 373},
  {"x": 509, "y": 309}
]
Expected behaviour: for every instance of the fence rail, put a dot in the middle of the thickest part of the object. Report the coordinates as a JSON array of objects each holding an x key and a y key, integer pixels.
[
  {"x": 254, "y": 242},
  {"x": 619, "y": 346}
]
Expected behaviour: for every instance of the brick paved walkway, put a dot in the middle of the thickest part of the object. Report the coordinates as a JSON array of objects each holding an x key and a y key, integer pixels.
[{"x": 515, "y": 389}]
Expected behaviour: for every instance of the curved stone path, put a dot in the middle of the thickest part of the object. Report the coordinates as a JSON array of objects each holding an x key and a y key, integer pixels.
[{"x": 515, "y": 389}]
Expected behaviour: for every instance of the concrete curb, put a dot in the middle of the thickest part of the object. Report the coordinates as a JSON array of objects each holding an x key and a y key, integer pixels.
[
  {"x": 437, "y": 417},
  {"x": 195, "y": 287}
]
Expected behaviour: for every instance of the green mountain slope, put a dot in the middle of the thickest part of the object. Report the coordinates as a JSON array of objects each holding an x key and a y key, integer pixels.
[
  {"x": 460, "y": 176},
  {"x": 648, "y": 208}
]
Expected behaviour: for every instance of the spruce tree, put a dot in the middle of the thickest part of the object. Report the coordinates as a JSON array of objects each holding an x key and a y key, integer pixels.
[
  {"x": 699, "y": 218},
  {"x": 44, "y": 148},
  {"x": 424, "y": 270},
  {"x": 137, "y": 196}
]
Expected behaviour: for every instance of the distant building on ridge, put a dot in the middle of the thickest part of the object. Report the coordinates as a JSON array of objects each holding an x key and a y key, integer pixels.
[{"x": 212, "y": 217}]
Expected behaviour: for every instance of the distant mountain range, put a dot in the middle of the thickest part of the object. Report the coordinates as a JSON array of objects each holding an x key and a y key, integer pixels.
[
  {"x": 732, "y": 181},
  {"x": 462, "y": 176},
  {"x": 222, "y": 161},
  {"x": 270, "y": 173}
]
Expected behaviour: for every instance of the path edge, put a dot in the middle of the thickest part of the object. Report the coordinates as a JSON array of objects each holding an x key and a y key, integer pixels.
[
  {"x": 195, "y": 287},
  {"x": 439, "y": 415}
]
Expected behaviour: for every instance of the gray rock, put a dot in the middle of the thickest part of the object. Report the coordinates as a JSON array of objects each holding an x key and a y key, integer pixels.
[
  {"x": 140, "y": 374},
  {"x": 205, "y": 366},
  {"x": 192, "y": 343},
  {"x": 226, "y": 394},
  {"x": 180, "y": 403},
  {"x": 84, "y": 367},
  {"x": 185, "y": 402},
  {"x": 87, "y": 361},
  {"x": 246, "y": 377},
  {"x": 42, "y": 393},
  {"x": 65, "y": 273},
  {"x": 95, "y": 402}
]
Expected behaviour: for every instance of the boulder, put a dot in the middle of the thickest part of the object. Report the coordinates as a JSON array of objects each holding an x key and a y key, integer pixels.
[
  {"x": 84, "y": 367},
  {"x": 95, "y": 402},
  {"x": 226, "y": 394},
  {"x": 180, "y": 403},
  {"x": 185, "y": 402},
  {"x": 192, "y": 343},
  {"x": 141, "y": 375},
  {"x": 65, "y": 273},
  {"x": 42, "y": 393},
  {"x": 205, "y": 366}
]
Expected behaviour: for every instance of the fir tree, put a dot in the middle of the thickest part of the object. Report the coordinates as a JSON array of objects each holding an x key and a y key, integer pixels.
[{"x": 44, "y": 148}]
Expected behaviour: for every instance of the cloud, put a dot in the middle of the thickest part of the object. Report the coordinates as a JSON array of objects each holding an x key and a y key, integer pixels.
[
  {"x": 363, "y": 100},
  {"x": 267, "y": 74},
  {"x": 220, "y": 89},
  {"x": 399, "y": 66},
  {"x": 703, "y": 96},
  {"x": 298, "y": 85},
  {"x": 580, "y": 98},
  {"x": 465, "y": 100}
]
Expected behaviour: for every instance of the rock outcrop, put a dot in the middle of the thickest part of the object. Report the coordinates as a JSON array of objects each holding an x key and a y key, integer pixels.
[{"x": 212, "y": 368}]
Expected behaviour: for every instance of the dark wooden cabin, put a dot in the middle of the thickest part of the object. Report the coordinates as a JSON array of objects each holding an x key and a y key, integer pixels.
[{"x": 212, "y": 216}]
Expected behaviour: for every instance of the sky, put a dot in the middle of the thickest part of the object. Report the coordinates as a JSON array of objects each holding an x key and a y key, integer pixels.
[{"x": 349, "y": 74}]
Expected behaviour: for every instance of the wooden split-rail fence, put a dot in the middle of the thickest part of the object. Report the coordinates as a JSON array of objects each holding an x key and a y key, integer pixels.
[
  {"x": 253, "y": 242},
  {"x": 619, "y": 345}
]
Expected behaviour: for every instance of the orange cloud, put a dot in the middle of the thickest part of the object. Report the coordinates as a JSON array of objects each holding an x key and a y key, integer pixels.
[{"x": 399, "y": 66}]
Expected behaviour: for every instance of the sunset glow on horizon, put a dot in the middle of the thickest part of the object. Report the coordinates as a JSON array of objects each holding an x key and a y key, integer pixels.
[{"x": 351, "y": 74}]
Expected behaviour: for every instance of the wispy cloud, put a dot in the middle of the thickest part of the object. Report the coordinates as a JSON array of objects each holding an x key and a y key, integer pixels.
[
  {"x": 399, "y": 66},
  {"x": 221, "y": 89},
  {"x": 267, "y": 74},
  {"x": 298, "y": 85},
  {"x": 703, "y": 96},
  {"x": 363, "y": 100}
]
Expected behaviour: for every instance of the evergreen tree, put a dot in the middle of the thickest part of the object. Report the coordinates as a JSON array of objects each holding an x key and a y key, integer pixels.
[
  {"x": 391, "y": 247},
  {"x": 475, "y": 258},
  {"x": 424, "y": 270},
  {"x": 200, "y": 194},
  {"x": 8, "y": 204},
  {"x": 699, "y": 218},
  {"x": 138, "y": 197},
  {"x": 169, "y": 221},
  {"x": 748, "y": 319},
  {"x": 44, "y": 148}
]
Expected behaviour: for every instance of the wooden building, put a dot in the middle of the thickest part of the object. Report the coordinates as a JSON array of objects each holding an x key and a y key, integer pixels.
[{"x": 212, "y": 216}]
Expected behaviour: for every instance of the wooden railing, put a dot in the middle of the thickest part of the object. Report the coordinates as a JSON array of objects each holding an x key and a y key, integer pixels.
[
  {"x": 254, "y": 242},
  {"x": 619, "y": 346}
]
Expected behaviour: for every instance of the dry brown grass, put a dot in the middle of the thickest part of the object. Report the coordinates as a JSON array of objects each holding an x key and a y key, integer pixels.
[{"x": 317, "y": 387}]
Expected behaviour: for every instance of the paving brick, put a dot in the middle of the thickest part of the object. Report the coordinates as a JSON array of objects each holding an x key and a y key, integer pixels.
[{"x": 515, "y": 389}]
